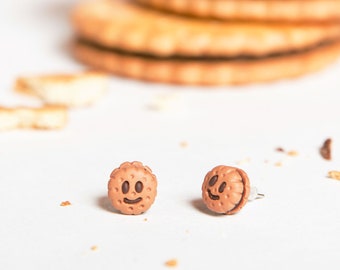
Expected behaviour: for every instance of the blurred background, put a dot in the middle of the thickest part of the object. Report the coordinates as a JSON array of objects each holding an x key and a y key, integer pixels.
[{"x": 180, "y": 132}]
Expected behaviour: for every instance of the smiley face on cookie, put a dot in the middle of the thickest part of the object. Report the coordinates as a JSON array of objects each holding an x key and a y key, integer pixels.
[
  {"x": 225, "y": 189},
  {"x": 132, "y": 188}
]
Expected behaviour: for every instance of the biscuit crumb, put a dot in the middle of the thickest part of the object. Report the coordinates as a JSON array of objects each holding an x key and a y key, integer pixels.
[
  {"x": 45, "y": 117},
  {"x": 243, "y": 161},
  {"x": 326, "y": 150},
  {"x": 183, "y": 144},
  {"x": 278, "y": 164},
  {"x": 163, "y": 102},
  {"x": 334, "y": 175},
  {"x": 292, "y": 153},
  {"x": 145, "y": 219},
  {"x": 171, "y": 263},
  {"x": 94, "y": 248},
  {"x": 71, "y": 90},
  {"x": 65, "y": 203}
]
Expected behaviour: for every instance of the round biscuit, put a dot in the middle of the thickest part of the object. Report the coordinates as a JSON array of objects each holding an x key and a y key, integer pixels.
[
  {"x": 132, "y": 188},
  {"x": 126, "y": 26},
  {"x": 261, "y": 10},
  {"x": 203, "y": 72}
]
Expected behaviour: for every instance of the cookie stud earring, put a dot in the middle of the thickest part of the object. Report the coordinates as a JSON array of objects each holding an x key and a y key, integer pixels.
[
  {"x": 227, "y": 189},
  {"x": 132, "y": 188}
]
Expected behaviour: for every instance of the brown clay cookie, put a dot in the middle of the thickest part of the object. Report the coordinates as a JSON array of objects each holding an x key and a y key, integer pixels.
[
  {"x": 132, "y": 188},
  {"x": 270, "y": 10},
  {"x": 225, "y": 189},
  {"x": 130, "y": 27},
  {"x": 46, "y": 117},
  {"x": 205, "y": 72}
]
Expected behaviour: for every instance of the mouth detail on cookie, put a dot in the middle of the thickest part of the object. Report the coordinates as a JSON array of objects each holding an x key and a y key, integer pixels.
[
  {"x": 126, "y": 200},
  {"x": 212, "y": 196}
]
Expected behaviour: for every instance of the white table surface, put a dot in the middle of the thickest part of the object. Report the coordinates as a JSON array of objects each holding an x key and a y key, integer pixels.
[{"x": 296, "y": 225}]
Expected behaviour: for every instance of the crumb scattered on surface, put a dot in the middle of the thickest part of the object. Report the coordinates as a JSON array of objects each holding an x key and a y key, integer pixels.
[
  {"x": 65, "y": 203},
  {"x": 44, "y": 117},
  {"x": 69, "y": 89},
  {"x": 94, "y": 248},
  {"x": 171, "y": 263},
  {"x": 326, "y": 149},
  {"x": 183, "y": 144},
  {"x": 334, "y": 175},
  {"x": 145, "y": 219},
  {"x": 278, "y": 164},
  {"x": 293, "y": 153},
  {"x": 162, "y": 102},
  {"x": 243, "y": 161}
]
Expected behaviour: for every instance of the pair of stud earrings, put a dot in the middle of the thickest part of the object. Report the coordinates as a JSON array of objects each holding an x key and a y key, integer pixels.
[{"x": 132, "y": 189}]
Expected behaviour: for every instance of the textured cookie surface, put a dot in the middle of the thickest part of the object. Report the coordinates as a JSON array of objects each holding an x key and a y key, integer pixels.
[
  {"x": 132, "y": 188},
  {"x": 129, "y": 27},
  {"x": 270, "y": 10},
  {"x": 71, "y": 90},
  {"x": 225, "y": 189},
  {"x": 47, "y": 117},
  {"x": 202, "y": 72}
]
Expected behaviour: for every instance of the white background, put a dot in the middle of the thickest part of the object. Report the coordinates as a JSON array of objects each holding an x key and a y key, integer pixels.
[{"x": 296, "y": 225}]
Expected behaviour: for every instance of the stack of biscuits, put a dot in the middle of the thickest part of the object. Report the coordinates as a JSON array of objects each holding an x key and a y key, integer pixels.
[{"x": 207, "y": 42}]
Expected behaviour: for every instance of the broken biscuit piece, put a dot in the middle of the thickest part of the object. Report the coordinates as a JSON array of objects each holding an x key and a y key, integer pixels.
[
  {"x": 70, "y": 90},
  {"x": 171, "y": 263},
  {"x": 65, "y": 203},
  {"x": 334, "y": 175},
  {"x": 47, "y": 117},
  {"x": 326, "y": 149}
]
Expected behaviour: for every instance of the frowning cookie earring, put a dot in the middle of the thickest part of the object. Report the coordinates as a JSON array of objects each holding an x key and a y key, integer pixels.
[
  {"x": 227, "y": 189},
  {"x": 132, "y": 188}
]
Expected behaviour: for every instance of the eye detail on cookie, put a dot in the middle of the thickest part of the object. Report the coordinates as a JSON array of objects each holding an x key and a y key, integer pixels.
[
  {"x": 213, "y": 180},
  {"x": 139, "y": 187},
  {"x": 125, "y": 187},
  {"x": 125, "y": 190},
  {"x": 222, "y": 187},
  {"x": 225, "y": 189},
  {"x": 132, "y": 188}
]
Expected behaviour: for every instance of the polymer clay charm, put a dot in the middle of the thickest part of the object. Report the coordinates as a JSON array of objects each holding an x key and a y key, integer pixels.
[
  {"x": 227, "y": 189},
  {"x": 132, "y": 188}
]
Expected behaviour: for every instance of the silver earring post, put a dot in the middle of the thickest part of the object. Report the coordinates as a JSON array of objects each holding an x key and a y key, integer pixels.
[{"x": 254, "y": 194}]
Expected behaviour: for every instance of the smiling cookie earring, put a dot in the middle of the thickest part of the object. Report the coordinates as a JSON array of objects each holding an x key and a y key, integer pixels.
[
  {"x": 227, "y": 189},
  {"x": 132, "y": 188}
]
